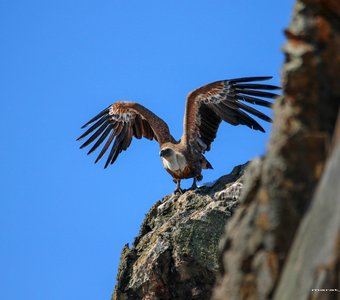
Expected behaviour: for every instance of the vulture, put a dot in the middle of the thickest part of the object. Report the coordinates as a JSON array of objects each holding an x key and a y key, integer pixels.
[{"x": 205, "y": 109}]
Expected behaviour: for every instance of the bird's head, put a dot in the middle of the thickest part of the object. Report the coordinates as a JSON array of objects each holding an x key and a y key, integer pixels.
[{"x": 166, "y": 152}]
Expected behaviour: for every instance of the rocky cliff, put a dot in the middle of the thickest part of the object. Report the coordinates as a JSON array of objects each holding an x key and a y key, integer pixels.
[
  {"x": 282, "y": 237},
  {"x": 283, "y": 241},
  {"x": 175, "y": 255}
]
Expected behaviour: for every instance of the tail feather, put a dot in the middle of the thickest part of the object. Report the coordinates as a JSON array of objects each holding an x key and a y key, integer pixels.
[{"x": 205, "y": 163}]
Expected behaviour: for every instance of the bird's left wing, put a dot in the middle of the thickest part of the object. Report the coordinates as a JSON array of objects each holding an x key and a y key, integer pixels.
[
  {"x": 118, "y": 124},
  {"x": 223, "y": 100}
]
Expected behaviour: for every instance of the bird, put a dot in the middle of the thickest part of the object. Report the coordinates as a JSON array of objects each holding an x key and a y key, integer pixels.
[{"x": 206, "y": 107}]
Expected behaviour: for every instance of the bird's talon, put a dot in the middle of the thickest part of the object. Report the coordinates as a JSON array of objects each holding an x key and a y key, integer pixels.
[{"x": 178, "y": 191}]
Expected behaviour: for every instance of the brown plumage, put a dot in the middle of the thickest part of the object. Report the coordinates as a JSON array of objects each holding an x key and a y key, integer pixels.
[{"x": 206, "y": 108}]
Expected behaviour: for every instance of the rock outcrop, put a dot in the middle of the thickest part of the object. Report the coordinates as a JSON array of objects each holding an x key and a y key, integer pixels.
[
  {"x": 175, "y": 255},
  {"x": 285, "y": 196},
  {"x": 283, "y": 240},
  {"x": 312, "y": 270}
]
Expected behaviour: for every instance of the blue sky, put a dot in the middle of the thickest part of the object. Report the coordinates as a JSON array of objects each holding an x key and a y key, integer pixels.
[{"x": 63, "y": 219}]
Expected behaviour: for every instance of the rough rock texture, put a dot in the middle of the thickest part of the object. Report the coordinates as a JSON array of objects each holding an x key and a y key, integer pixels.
[
  {"x": 314, "y": 260},
  {"x": 175, "y": 254},
  {"x": 259, "y": 236},
  {"x": 283, "y": 240}
]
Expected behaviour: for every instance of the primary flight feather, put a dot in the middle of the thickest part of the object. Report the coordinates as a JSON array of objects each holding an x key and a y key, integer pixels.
[{"x": 206, "y": 107}]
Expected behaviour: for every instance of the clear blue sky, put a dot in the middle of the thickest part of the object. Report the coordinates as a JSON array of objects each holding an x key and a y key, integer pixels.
[{"x": 63, "y": 219}]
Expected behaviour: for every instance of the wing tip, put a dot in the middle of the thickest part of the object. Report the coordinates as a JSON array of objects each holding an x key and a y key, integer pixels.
[
  {"x": 258, "y": 127},
  {"x": 250, "y": 79},
  {"x": 90, "y": 151}
]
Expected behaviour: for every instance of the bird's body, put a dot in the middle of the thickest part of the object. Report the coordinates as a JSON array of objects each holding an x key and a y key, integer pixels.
[
  {"x": 177, "y": 165},
  {"x": 182, "y": 163},
  {"x": 206, "y": 107}
]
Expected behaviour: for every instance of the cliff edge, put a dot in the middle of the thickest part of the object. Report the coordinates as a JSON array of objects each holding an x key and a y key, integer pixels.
[
  {"x": 283, "y": 240},
  {"x": 175, "y": 255}
]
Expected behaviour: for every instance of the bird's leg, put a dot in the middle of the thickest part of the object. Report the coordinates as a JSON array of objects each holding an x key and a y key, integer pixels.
[
  {"x": 178, "y": 187},
  {"x": 194, "y": 185},
  {"x": 196, "y": 178}
]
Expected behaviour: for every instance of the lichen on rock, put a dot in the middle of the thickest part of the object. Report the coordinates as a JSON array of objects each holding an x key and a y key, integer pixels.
[{"x": 175, "y": 255}]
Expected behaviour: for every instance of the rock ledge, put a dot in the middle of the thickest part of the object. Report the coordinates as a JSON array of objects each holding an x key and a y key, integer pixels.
[{"x": 175, "y": 255}]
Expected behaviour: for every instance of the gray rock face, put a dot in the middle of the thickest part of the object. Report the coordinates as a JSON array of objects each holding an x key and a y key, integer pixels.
[
  {"x": 260, "y": 236},
  {"x": 175, "y": 255}
]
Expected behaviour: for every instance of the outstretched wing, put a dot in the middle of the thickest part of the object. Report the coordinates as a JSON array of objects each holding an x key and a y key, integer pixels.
[
  {"x": 224, "y": 100},
  {"x": 118, "y": 123}
]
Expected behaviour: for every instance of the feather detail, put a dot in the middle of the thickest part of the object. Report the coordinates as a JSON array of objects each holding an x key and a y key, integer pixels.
[
  {"x": 118, "y": 124},
  {"x": 224, "y": 100}
]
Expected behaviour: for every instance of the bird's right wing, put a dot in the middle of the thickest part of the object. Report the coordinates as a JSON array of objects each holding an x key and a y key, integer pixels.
[
  {"x": 118, "y": 123},
  {"x": 224, "y": 100}
]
